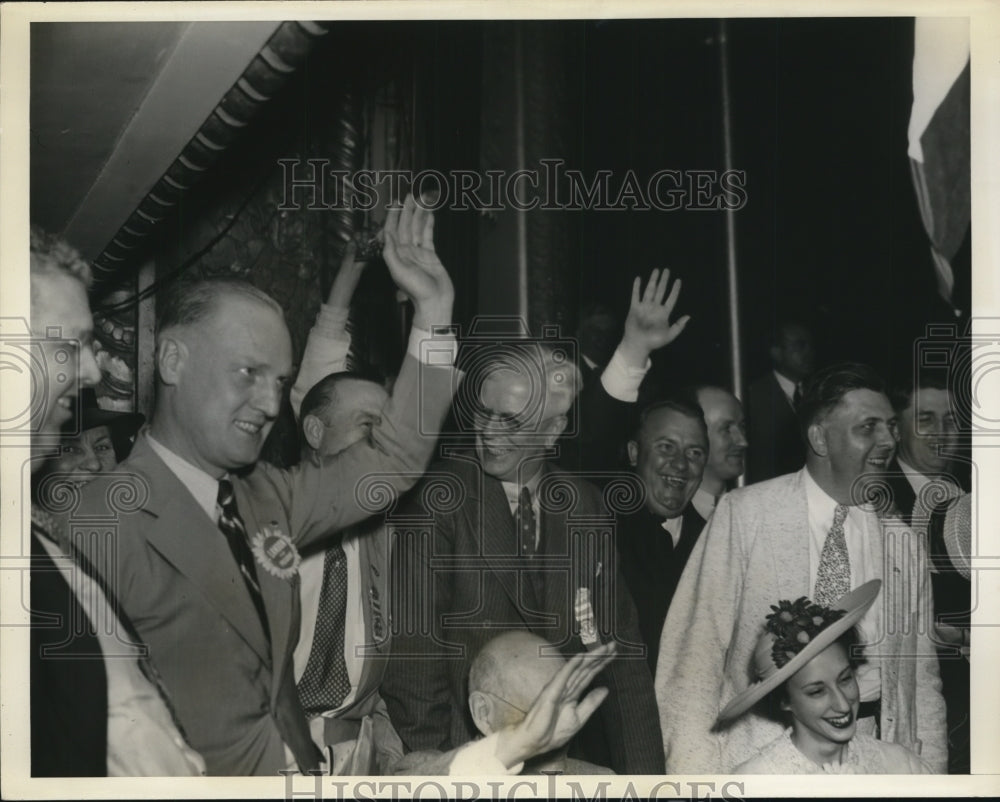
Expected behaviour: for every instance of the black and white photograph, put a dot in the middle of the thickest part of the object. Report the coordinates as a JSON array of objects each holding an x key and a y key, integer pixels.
[{"x": 452, "y": 400}]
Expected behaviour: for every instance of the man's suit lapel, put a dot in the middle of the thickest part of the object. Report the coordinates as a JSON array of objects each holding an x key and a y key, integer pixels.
[
  {"x": 791, "y": 541},
  {"x": 185, "y": 537},
  {"x": 691, "y": 530},
  {"x": 373, "y": 557},
  {"x": 278, "y": 593},
  {"x": 488, "y": 517},
  {"x": 560, "y": 584},
  {"x": 903, "y": 497}
]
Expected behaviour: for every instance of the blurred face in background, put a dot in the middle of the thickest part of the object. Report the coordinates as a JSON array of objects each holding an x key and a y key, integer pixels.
[
  {"x": 794, "y": 356},
  {"x": 353, "y": 412},
  {"x": 727, "y": 440},
  {"x": 926, "y": 427},
  {"x": 66, "y": 361},
  {"x": 86, "y": 456}
]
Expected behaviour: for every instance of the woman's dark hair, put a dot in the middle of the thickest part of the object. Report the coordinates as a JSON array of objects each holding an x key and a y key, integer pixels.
[{"x": 771, "y": 705}]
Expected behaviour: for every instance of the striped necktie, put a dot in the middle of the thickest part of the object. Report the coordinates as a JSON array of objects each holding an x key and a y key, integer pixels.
[{"x": 232, "y": 526}]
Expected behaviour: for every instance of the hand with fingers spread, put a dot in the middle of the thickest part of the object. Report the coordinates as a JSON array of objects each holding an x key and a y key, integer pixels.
[
  {"x": 648, "y": 325},
  {"x": 415, "y": 266},
  {"x": 558, "y": 713}
]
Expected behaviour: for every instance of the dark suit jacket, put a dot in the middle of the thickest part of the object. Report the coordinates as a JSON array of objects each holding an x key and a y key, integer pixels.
[
  {"x": 600, "y": 425},
  {"x": 776, "y": 447},
  {"x": 903, "y": 496},
  {"x": 69, "y": 687},
  {"x": 468, "y": 584},
  {"x": 652, "y": 567},
  {"x": 232, "y": 685}
]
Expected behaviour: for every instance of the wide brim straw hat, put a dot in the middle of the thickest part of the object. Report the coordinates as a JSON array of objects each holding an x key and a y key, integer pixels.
[{"x": 855, "y": 604}]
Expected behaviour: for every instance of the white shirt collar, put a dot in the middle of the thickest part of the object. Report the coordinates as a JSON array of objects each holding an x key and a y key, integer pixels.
[
  {"x": 203, "y": 487},
  {"x": 787, "y": 386},
  {"x": 513, "y": 490},
  {"x": 673, "y": 526},
  {"x": 704, "y": 502},
  {"x": 821, "y": 504}
]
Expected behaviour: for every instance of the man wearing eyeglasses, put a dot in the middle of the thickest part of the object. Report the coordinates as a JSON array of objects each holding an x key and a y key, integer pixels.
[{"x": 516, "y": 543}]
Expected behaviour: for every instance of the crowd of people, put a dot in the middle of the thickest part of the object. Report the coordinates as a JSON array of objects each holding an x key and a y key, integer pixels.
[{"x": 507, "y": 565}]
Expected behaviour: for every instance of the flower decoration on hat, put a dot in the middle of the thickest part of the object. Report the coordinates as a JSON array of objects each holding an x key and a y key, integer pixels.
[{"x": 795, "y": 624}]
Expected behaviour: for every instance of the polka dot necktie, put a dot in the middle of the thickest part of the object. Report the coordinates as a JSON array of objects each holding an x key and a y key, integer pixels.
[
  {"x": 232, "y": 526},
  {"x": 526, "y": 523},
  {"x": 325, "y": 684},
  {"x": 833, "y": 577}
]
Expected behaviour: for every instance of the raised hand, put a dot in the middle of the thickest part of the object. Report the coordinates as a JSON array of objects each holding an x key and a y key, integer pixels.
[
  {"x": 648, "y": 325},
  {"x": 558, "y": 713},
  {"x": 415, "y": 266}
]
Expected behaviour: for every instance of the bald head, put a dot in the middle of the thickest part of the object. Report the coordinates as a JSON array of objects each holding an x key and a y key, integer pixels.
[{"x": 507, "y": 676}]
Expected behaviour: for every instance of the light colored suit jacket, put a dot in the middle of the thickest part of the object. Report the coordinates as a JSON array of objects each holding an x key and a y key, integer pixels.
[
  {"x": 232, "y": 687},
  {"x": 754, "y": 552}
]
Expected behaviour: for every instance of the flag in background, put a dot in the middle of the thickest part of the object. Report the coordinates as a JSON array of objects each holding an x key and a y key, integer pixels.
[{"x": 938, "y": 137}]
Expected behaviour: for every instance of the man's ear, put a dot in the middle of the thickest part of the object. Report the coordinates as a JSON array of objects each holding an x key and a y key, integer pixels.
[
  {"x": 312, "y": 428},
  {"x": 171, "y": 354},
  {"x": 816, "y": 435},
  {"x": 633, "y": 452},
  {"x": 556, "y": 427},
  {"x": 481, "y": 706}
]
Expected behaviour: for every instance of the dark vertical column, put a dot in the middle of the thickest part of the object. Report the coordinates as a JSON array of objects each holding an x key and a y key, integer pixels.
[{"x": 532, "y": 104}]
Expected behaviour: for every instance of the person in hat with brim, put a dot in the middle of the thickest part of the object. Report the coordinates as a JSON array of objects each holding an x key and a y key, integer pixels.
[
  {"x": 104, "y": 439},
  {"x": 804, "y": 663}
]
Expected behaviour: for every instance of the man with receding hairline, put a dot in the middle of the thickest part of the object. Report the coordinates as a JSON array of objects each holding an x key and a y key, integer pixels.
[
  {"x": 506, "y": 678},
  {"x": 511, "y": 524},
  {"x": 727, "y": 446},
  {"x": 205, "y": 553},
  {"x": 811, "y": 533}
]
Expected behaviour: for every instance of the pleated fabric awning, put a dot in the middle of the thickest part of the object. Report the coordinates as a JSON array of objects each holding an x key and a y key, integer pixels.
[{"x": 127, "y": 117}]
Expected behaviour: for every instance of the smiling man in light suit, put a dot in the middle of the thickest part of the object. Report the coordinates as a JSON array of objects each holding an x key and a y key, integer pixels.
[
  {"x": 809, "y": 533},
  {"x": 202, "y": 554}
]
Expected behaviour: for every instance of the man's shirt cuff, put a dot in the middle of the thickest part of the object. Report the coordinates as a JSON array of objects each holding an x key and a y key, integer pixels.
[
  {"x": 621, "y": 380},
  {"x": 438, "y": 349},
  {"x": 478, "y": 758}
]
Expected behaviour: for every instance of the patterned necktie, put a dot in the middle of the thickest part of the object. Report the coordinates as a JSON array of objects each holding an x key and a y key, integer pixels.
[
  {"x": 833, "y": 577},
  {"x": 232, "y": 526},
  {"x": 526, "y": 523},
  {"x": 325, "y": 683}
]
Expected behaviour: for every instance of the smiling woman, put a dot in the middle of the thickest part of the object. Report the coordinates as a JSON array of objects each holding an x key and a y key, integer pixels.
[{"x": 804, "y": 662}]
